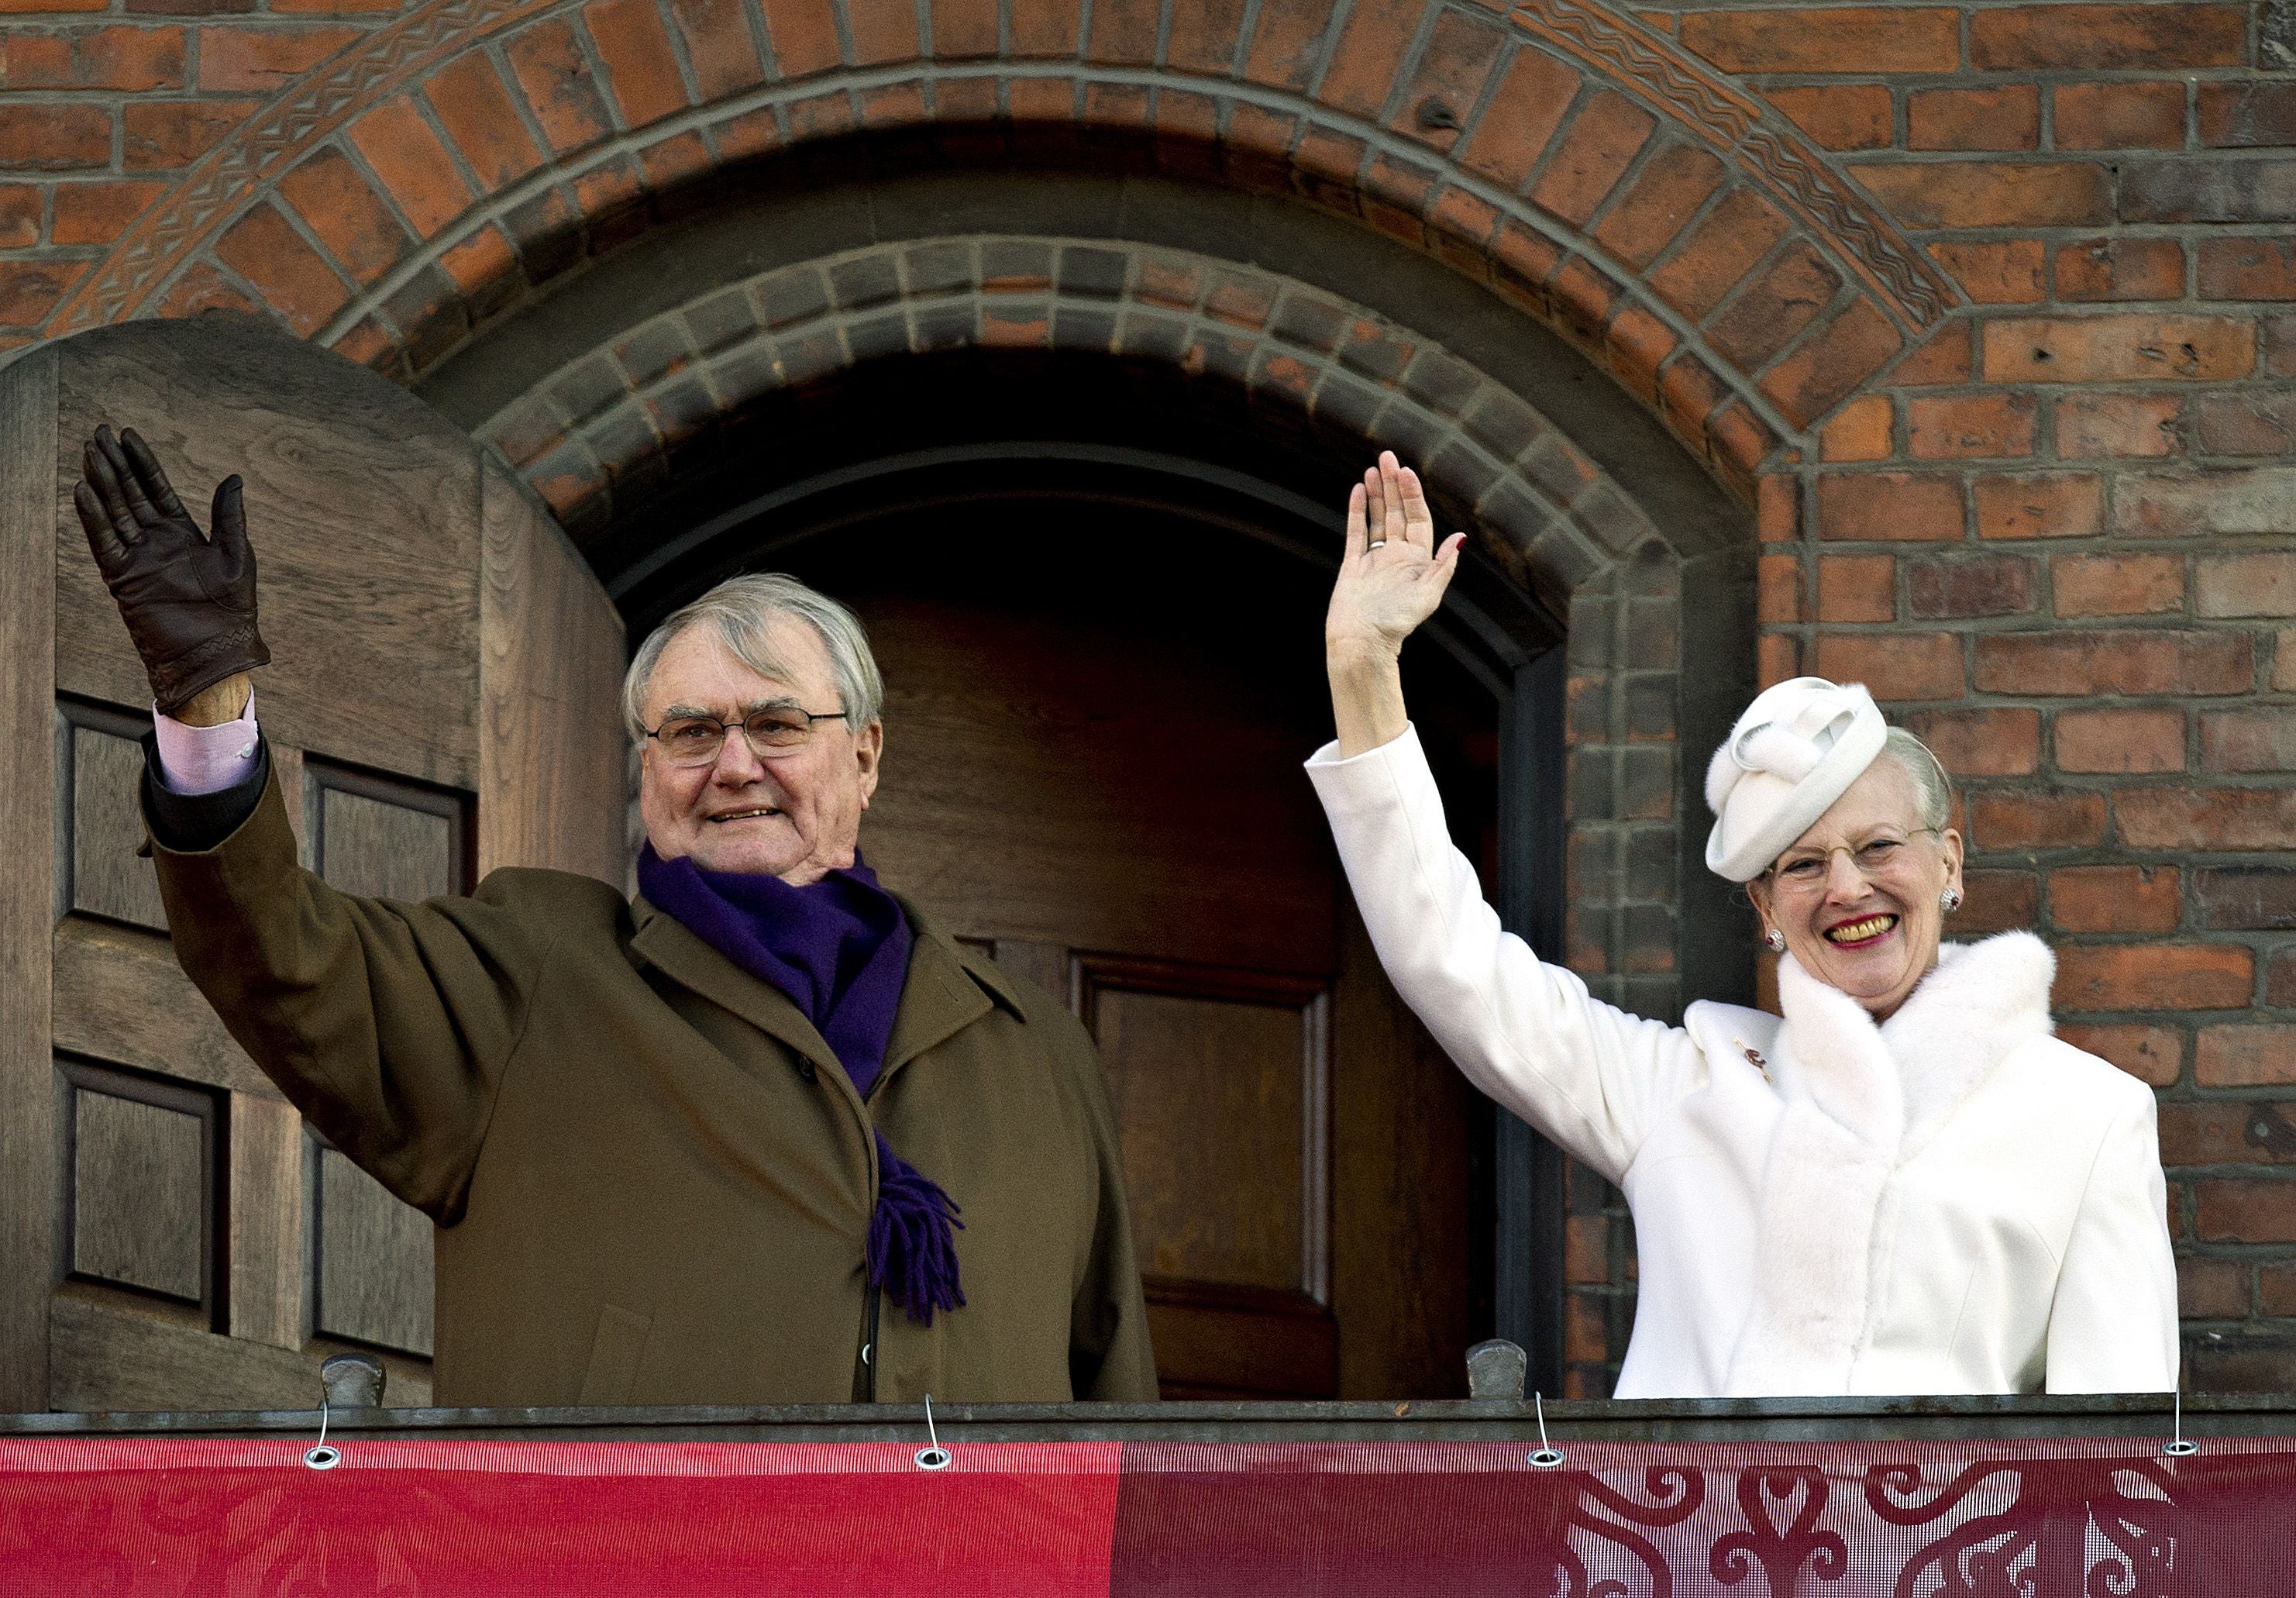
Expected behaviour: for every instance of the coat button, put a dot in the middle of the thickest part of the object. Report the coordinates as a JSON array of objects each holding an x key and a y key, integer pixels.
[{"x": 805, "y": 1067}]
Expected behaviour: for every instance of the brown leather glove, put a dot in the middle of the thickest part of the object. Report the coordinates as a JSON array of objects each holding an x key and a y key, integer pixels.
[{"x": 188, "y": 599}]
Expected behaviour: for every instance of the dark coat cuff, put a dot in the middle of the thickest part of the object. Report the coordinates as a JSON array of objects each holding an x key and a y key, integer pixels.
[{"x": 191, "y": 824}]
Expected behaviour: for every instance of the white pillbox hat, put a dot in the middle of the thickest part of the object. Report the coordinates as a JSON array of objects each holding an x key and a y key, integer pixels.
[{"x": 1795, "y": 751}]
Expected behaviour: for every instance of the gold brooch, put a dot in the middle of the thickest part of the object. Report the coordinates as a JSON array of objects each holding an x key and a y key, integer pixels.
[{"x": 1754, "y": 1057}]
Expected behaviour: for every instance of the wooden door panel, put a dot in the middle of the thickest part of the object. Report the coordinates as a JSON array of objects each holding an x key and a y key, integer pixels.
[
  {"x": 370, "y": 834},
  {"x": 372, "y": 1261},
  {"x": 442, "y": 700},
  {"x": 1220, "y": 1080},
  {"x": 28, "y": 871},
  {"x": 141, "y": 1195},
  {"x": 1219, "y": 1083},
  {"x": 101, "y": 762},
  {"x": 1209, "y": 1098},
  {"x": 1228, "y": 1346}
]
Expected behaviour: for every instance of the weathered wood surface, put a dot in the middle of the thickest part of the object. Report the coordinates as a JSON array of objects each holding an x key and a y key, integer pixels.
[
  {"x": 379, "y": 849},
  {"x": 108, "y": 1356},
  {"x": 374, "y": 1260},
  {"x": 120, "y": 995},
  {"x": 553, "y": 755},
  {"x": 270, "y": 1201},
  {"x": 28, "y": 798},
  {"x": 362, "y": 508},
  {"x": 397, "y": 592},
  {"x": 141, "y": 1194},
  {"x": 109, "y": 878}
]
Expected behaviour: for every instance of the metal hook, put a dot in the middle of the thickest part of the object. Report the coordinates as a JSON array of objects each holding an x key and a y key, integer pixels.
[
  {"x": 318, "y": 1456},
  {"x": 933, "y": 1457},
  {"x": 2178, "y": 1446},
  {"x": 1546, "y": 1456}
]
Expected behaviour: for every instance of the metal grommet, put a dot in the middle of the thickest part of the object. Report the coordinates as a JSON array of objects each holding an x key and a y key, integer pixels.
[
  {"x": 2180, "y": 1446},
  {"x": 322, "y": 1455},
  {"x": 1547, "y": 1455},
  {"x": 932, "y": 1456}
]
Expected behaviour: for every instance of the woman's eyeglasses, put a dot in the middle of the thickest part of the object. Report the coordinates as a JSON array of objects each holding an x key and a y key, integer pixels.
[{"x": 1807, "y": 868}]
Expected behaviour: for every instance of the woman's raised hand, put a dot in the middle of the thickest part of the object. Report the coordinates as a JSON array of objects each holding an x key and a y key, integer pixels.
[
  {"x": 1394, "y": 569},
  {"x": 1391, "y": 579}
]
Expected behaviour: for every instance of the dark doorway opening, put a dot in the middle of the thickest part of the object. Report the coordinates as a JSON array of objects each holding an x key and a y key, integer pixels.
[{"x": 1097, "y": 593}]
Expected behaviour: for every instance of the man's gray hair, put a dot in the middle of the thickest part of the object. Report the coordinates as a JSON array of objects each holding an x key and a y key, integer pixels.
[
  {"x": 741, "y": 609},
  {"x": 1932, "y": 786}
]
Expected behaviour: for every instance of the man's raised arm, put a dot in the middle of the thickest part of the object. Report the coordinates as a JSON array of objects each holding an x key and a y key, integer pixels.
[{"x": 387, "y": 1024}]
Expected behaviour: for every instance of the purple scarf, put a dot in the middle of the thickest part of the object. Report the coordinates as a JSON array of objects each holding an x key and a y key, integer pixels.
[{"x": 839, "y": 950}]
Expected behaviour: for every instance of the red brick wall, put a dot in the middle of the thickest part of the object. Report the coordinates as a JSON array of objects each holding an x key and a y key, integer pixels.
[
  {"x": 1982, "y": 311},
  {"x": 2062, "y": 536}
]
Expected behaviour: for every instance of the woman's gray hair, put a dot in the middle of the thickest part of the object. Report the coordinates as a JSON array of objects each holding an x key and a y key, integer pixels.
[
  {"x": 741, "y": 609},
  {"x": 1932, "y": 786}
]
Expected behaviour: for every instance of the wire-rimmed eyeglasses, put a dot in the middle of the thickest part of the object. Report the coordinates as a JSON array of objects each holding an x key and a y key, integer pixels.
[
  {"x": 773, "y": 732},
  {"x": 1872, "y": 856}
]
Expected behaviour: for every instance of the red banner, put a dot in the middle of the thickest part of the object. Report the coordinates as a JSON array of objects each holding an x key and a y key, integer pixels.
[{"x": 1913, "y": 1519}]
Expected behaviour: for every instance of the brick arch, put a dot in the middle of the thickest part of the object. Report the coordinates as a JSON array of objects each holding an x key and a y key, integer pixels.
[
  {"x": 626, "y": 401},
  {"x": 1590, "y": 170},
  {"x": 605, "y": 405},
  {"x": 606, "y": 400}
]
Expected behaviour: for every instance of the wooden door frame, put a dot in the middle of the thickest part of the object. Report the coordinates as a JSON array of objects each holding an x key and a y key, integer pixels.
[
  {"x": 1528, "y": 1283},
  {"x": 1487, "y": 624},
  {"x": 28, "y": 505}
]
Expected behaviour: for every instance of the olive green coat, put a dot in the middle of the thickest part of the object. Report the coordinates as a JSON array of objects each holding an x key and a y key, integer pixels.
[{"x": 651, "y": 1180}]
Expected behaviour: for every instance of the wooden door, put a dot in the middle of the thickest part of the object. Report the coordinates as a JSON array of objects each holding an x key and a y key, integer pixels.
[
  {"x": 442, "y": 700},
  {"x": 1093, "y": 738}
]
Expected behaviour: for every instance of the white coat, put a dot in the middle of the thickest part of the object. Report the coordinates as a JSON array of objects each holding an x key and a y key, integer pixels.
[{"x": 1952, "y": 1201}]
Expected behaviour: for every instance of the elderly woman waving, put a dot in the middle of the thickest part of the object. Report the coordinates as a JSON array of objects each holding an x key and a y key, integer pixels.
[{"x": 1905, "y": 1184}]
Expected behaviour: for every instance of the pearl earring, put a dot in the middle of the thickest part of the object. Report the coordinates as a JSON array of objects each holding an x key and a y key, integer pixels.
[
  {"x": 1951, "y": 899},
  {"x": 1775, "y": 939}
]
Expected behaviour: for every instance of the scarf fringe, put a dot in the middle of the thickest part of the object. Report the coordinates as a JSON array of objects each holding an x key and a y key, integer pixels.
[{"x": 912, "y": 1239}]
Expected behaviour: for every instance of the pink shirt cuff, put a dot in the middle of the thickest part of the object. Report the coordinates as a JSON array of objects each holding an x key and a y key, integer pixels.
[{"x": 194, "y": 760}]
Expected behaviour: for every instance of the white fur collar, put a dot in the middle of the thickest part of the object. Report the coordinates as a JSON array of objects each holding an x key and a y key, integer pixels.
[
  {"x": 1895, "y": 1084},
  {"x": 1859, "y": 1099}
]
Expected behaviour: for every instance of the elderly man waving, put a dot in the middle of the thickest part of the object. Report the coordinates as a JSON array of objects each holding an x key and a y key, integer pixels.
[{"x": 763, "y": 1135}]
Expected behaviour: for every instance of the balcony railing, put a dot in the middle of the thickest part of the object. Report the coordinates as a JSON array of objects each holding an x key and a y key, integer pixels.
[{"x": 1913, "y": 1497}]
